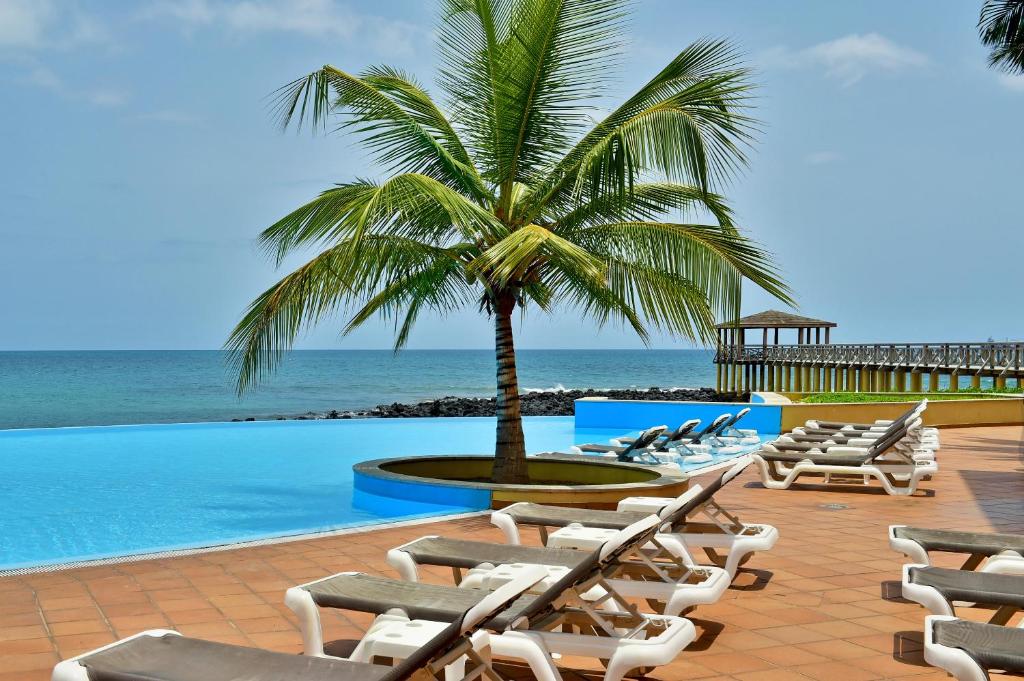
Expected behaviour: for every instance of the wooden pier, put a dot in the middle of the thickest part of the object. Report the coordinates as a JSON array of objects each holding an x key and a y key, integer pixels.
[{"x": 854, "y": 367}]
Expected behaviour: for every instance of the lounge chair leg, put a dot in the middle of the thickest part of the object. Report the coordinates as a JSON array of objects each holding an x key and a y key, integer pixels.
[
  {"x": 505, "y": 523},
  {"x": 403, "y": 562},
  {"x": 301, "y": 603},
  {"x": 531, "y": 650}
]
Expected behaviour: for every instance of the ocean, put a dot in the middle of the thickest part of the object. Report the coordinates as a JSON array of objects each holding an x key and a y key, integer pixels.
[{"x": 49, "y": 389}]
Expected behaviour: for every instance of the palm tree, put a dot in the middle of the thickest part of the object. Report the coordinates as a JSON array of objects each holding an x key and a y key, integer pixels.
[
  {"x": 1001, "y": 26},
  {"x": 508, "y": 196}
]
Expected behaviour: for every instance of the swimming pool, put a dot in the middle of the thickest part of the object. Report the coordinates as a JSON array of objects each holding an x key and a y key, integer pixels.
[
  {"x": 73, "y": 494},
  {"x": 80, "y": 494}
]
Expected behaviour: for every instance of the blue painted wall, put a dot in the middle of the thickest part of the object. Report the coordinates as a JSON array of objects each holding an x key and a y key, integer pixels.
[
  {"x": 475, "y": 499},
  {"x": 638, "y": 414}
]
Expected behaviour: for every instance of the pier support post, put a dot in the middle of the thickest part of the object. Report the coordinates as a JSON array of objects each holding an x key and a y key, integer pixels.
[
  {"x": 1000, "y": 383},
  {"x": 798, "y": 378},
  {"x": 976, "y": 381},
  {"x": 862, "y": 380},
  {"x": 900, "y": 380},
  {"x": 933, "y": 382},
  {"x": 881, "y": 381},
  {"x": 787, "y": 378},
  {"x": 815, "y": 379},
  {"x": 954, "y": 382},
  {"x": 916, "y": 382},
  {"x": 826, "y": 384},
  {"x": 851, "y": 380}
]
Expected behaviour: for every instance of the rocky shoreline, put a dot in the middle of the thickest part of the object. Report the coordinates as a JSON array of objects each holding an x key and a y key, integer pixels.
[{"x": 553, "y": 403}]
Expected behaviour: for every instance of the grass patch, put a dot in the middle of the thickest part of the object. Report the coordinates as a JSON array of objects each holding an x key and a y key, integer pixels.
[{"x": 830, "y": 398}]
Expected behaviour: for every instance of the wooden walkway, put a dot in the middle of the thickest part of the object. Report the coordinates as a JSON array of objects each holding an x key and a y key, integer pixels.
[{"x": 874, "y": 367}]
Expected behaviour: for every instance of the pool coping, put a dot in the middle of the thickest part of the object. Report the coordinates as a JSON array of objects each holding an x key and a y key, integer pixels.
[
  {"x": 374, "y": 468},
  {"x": 251, "y": 543}
]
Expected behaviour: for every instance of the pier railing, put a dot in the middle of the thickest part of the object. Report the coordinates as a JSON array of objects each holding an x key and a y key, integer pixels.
[{"x": 990, "y": 359}]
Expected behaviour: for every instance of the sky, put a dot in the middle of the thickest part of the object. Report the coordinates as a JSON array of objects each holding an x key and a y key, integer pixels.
[{"x": 138, "y": 162}]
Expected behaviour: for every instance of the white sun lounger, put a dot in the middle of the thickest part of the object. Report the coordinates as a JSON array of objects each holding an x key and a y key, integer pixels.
[
  {"x": 425, "y": 649},
  {"x": 986, "y": 551},
  {"x": 726, "y": 540},
  {"x": 968, "y": 650},
  {"x": 569, "y": 603},
  {"x": 780, "y": 468}
]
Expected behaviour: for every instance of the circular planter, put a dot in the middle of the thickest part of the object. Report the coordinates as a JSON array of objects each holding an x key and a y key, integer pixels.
[{"x": 443, "y": 479}]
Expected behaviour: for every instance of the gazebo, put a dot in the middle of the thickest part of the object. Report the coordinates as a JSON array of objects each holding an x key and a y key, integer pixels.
[{"x": 733, "y": 351}]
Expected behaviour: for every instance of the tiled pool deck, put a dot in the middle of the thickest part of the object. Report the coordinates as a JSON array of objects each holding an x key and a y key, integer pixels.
[{"x": 812, "y": 608}]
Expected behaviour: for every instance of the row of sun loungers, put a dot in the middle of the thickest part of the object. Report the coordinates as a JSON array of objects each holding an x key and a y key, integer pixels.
[
  {"x": 898, "y": 453},
  {"x": 992, "y": 577},
  {"x": 687, "y": 444},
  {"x": 576, "y": 596}
]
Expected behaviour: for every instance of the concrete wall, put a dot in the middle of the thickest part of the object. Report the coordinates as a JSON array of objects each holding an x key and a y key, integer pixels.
[
  {"x": 944, "y": 413},
  {"x": 776, "y": 418},
  {"x": 639, "y": 414}
]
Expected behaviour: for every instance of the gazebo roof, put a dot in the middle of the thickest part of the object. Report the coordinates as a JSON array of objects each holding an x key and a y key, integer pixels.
[{"x": 774, "y": 319}]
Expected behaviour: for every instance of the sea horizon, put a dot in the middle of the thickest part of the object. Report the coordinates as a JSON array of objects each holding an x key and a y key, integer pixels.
[{"x": 59, "y": 388}]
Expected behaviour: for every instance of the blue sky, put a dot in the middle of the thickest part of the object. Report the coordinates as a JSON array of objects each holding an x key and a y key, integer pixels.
[{"x": 139, "y": 162}]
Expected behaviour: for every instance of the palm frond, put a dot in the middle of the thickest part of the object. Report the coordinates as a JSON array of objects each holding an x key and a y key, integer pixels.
[
  {"x": 471, "y": 34},
  {"x": 687, "y": 123},
  {"x": 349, "y": 272},
  {"x": 397, "y": 122},
  {"x": 411, "y": 205},
  {"x": 647, "y": 201},
  {"x": 715, "y": 260},
  {"x": 555, "y": 59},
  {"x": 1001, "y": 26},
  {"x": 441, "y": 286},
  {"x": 509, "y": 262}
]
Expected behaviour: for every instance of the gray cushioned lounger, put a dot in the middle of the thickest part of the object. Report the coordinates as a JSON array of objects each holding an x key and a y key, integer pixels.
[
  {"x": 177, "y": 658},
  {"x": 425, "y": 598},
  {"x": 463, "y": 553},
  {"x": 991, "y": 646},
  {"x": 819, "y": 458},
  {"x": 836, "y": 425},
  {"x": 560, "y": 516},
  {"x": 365, "y": 593},
  {"x": 976, "y": 587},
  {"x": 954, "y": 541}
]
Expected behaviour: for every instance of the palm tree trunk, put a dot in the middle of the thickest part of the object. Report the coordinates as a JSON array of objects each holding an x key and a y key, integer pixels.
[{"x": 510, "y": 446}]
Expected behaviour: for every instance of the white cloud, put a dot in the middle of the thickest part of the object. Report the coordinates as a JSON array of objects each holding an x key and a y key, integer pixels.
[
  {"x": 107, "y": 98},
  {"x": 316, "y": 18},
  {"x": 1013, "y": 82},
  {"x": 850, "y": 58},
  {"x": 23, "y": 22},
  {"x": 171, "y": 116},
  {"x": 818, "y": 158},
  {"x": 42, "y": 24}
]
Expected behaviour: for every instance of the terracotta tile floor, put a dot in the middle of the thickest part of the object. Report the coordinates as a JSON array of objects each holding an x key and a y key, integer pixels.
[{"x": 812, "y": 608}]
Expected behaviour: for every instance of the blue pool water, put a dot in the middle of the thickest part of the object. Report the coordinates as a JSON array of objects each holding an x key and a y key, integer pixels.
[{"x": 72, "y": 494}]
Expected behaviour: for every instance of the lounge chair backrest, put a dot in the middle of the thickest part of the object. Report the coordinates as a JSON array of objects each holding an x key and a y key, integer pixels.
[
  {"x": 490, "y": 605},
  {"x": 735, "y": 419},
  {"x": 706, "y": 494},
  {"x": 737, "y": 468},
  {"x": 684, "y": 430},
  {"x": 624, "y": 541},
  {"x": 643, "y": 440},
  {"x": 711, "y": 427},
  {"x": 677, "y": 435},
  {"x": 892, "y": 436},
  {"x": 680, "y": 501}
]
